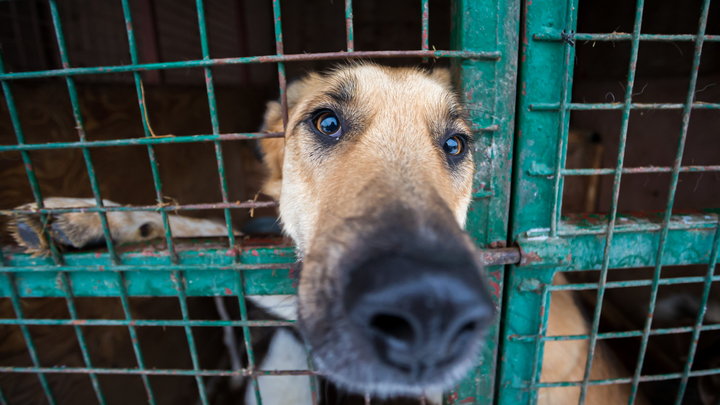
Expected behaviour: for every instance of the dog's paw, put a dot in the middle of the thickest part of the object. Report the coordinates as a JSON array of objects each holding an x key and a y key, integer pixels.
[
  {"x": 76, "y": 229},
  {"x": 84, "y": 230}
]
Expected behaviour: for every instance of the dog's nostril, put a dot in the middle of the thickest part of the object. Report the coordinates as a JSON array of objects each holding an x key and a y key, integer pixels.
[{"x": 394, "y": 327}]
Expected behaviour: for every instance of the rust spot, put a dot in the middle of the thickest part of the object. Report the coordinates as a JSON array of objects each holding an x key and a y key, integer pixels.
[
  {"x": 228, "y": 291},
  {"x": 254, "y": 253},
  {"x": 78, "y": 322},
  {"x": 528, "y": 257},
  {"x": 468, "y": 400}
]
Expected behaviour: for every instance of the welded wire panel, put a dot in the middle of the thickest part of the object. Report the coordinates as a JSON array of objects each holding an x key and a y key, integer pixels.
[
  {"x": 552, "y": 242},
  {"x": 229, "y": 267}
]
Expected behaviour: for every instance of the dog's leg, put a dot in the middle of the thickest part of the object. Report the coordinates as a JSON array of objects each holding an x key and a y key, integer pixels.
[
  {"x": 286, "y": 352},
  {"x": 82, "y": 230}
]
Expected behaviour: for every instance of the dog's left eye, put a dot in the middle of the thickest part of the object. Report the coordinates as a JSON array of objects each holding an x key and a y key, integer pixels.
[
  {"x": 454, "y": 146},
  {"x": 328, "y": 123}
]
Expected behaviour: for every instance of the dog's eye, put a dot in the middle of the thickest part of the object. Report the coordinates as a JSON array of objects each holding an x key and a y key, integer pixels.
[
  {"x": 455, "y": 145},
  {"x": 328, "y": 123}
]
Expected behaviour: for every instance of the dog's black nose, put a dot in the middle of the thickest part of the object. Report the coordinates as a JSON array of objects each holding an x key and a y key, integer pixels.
[{"x": 419, "y": 317}]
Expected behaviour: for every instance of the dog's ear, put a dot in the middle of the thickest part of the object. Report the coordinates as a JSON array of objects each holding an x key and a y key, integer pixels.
[
  {"x": 273, "y": 150},
  {"x": 442, "y": 76}
]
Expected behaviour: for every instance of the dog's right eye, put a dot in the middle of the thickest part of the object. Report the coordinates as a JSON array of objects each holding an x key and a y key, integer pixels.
[{"x": 328, "y": 124}]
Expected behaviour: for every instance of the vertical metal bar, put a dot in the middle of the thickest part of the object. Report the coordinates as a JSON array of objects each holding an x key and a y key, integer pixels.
[
  {"x": 616, "y": 195},
  {"x": 148, "y": 134},
  {"x": 281, "y": 65},
  {"x": 214, "y": 119},
  {"x": 564, "y": 122},
  {"x": 702, "y": 25},
  {"x": 700, "y": 316},
  {"x": 247, "y": 336},
  {"x": 349, "y": 26},
  {"x": 537, "y": 353},
  {"x": 81, "y": 130},
  {"x": 133, "y": 336},
  {"x": 425, "y": 37},
  {"x": 178, "y": 280},
  {"x": 3, "y": 400},
  {"x": 67, "y": 289},
  {"x": 34, "y": 185},
  {"x": 15, "y": 299},
  {"x": 314, "y": 388}
]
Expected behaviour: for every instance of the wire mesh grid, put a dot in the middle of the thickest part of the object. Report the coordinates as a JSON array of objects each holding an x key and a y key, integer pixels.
[
  {"x": 121, "y": 266},
  {"x": 612, "y": 225}
]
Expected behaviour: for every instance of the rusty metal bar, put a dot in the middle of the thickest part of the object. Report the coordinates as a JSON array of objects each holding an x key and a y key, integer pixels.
[
  {"x": 349, "y": 29},
  {"x": 624, "y": 36},
  {"x": 479, "y": 55}
]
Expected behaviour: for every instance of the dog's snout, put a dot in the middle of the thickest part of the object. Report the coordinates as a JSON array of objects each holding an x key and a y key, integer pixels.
[{"x": 418, "y": 317}]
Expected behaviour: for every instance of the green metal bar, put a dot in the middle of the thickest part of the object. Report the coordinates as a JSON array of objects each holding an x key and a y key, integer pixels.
[
  {"x": 425, "y": 36},
  {"x": 140, "y": 141},
  {"x": 214, "y": 119},
  {"x": 645, "y": 378},
  {"x": 671, "y": 198},
  {"x": 133, "y": 335},
  {"x": 144, "y": 322},
  {"x": 487, "y": 25},
  {"x": 631, "y": 283},
  {"x": 80, "y": 126},
  {"x": 621, "y": 106},
  {"x": 27, "y": 162},
  {"x": 476, "y": 55},
  {"x": 168, "y": 372},
  {"x": 538, "y": 349},
  {"x": 698, "y": 327},
  {"x": 248, "y": 338},
  {"x": 616, "y": 195},
  {"x": 178, "y": 279},
  {"x": 69, "y": 300},
  {"x": 625, "y": 170},
  {"x": 15, "y": 299},
  {"x": 614, "y": 335},
  {"x": 623, "y": 36},
  {"x": 350, "y": 35},
  {"x": 3, "y": 400},
  {"x": 279, "y": 47},
  {"x": 564, "y": 128},
  {"x": 157, "y": 183}
]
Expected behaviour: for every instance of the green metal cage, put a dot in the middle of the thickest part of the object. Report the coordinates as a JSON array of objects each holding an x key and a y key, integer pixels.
[{"x": 517, "y": 200}]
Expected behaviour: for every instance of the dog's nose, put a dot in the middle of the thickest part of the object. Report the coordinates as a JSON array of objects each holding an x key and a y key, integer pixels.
[{"x": 418, "y": 317}]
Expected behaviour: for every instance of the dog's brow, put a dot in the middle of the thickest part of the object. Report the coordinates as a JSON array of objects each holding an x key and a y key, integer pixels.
[{"x": 343, "y": 91}]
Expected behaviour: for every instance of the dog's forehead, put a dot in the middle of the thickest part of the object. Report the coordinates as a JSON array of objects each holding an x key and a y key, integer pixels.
[{"x": 395, "y": 90}]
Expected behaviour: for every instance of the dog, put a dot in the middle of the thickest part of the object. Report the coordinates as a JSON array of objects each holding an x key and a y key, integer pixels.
[{"x": 374, "y": 180}]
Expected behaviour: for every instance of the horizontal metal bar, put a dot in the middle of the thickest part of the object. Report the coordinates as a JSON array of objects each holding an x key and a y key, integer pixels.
[
  {"x": 490, "y": 55},
  {"x": 158, "y": 207},
  {"x": 135, "y": 371},
  {"x": 613, "y": 335},
  {"x": 152, "y": 267},
  {"x": 624, "y": 36},
  {"x": 143, "y": 322},
  {"x": 625, "y": 170},
  {"x": 619, "y": 106},
  {"x": 629, "y": 283},
  {"x": 166, "y": 139},
  {"x": 491, "y": 257},
  {"x": 627, "y": 380}
]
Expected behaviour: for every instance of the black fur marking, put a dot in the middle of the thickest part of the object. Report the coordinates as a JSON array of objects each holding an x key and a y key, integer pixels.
[
  {"x": 145, "y": 229},
  {"x": 28, "y": 235}
]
